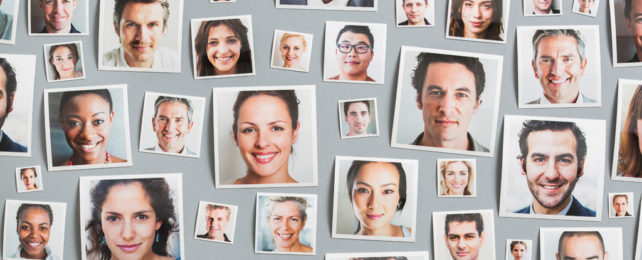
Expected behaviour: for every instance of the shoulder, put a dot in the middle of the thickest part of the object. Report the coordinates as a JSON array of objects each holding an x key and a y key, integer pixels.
[
  {"x": 587, "y": 99},
  {"x": 404, "y": 23},
  {"x": 477, "y": 147},
  {"x": 73, "y": 29},
  {"x": 334, "y": 78},
  {"x": 189, "y": 151},
  {"x": 6, "y": 144},
  {"x": 556, "y": 11},
  {"x": 167, "y": 58},
  {"x": 525, "y": 210},
  {"x": 577, "y": 209},
  {"x": 115, "y": 159},
  {"x": 151, "y": 149}
]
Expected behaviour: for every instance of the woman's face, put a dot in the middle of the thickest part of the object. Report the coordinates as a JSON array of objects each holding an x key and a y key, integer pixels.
[
  {"x": 477, "y": 16},
  {"x": 29, "y": 179},
  {"x": 375, "y": 194},
  {"x": 223, "y": 49},
  {"x": 456, "y": 178},
  {"x": 286, "y": 224},
  {"x": 291, "y": 50},
  {"x": 519, "y": 250},
  {"x": 33, "y": 232},
  {"x": 64, "y": 61},
  {"x": 86, "y": 120},
  {"x": 129, "y": 222},
  {"x": 265, "y": 135}
]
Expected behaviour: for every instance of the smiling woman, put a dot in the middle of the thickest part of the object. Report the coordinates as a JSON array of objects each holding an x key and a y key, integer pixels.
[
  {"x": 476, "y": 19},
  {"x": 34, "y": 226},
  {"x": 222, "y": 47},
  {"x": 64, "y": 58}
]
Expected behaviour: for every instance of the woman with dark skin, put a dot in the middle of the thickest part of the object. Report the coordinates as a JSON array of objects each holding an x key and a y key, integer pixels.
[{"x": 34, "y": 227}]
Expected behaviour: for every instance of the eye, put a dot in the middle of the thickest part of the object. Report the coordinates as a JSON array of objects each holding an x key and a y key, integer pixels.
[
  {"x": 73, "y": 123},
  {"x": 538, "y": 159},
  {"x": 362, "y": 190},
  {"x": 294, "y": 219},
  {"x": 461, "y": 95},
  {"x": 142, "y": 217},
  {"x": 44, "y": 228},
  {"x": 112, "y": 218},
  {"x": 213, "y": 42},
  {"x": 276, "y": 219},
  {"x": 232, "y": 41},
  {"x": 178, "y": 120},
  {"x": 98, "y": 122},
  {"x": 248, "y": 130},
  {"x": 24, "y": 227},
  {"x": 277, "y": 128},
  {"x": 435, "y": 93},
  {"x": 389, "y": 191},
  {"x": 453, "y": 238},
  {"x": 488, "y": 6},
  {"x": 285, "y": 47}
]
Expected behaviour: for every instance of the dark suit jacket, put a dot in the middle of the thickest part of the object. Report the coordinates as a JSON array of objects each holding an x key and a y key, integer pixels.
[
  {"x": 294, "y": 2},
  {"x": 8, "y": 145},
  {"x": 362, "y": 3},
  {"x": 576, "y": 209}
]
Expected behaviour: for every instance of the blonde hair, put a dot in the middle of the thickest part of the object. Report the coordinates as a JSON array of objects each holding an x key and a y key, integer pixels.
[
  {"x": 288, "y": 35},
  {"x": 442, "y": 170}
]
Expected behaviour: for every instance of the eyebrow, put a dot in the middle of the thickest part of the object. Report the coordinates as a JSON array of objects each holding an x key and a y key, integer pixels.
[
  {"x": 135, "y": 213},
  {"x": 269, "y": 123},
  {"x": 360, "y": 42},
  {"x": 460, "y": 89},
  {"x": 226, "y": 37},
  {"x": 366, "y": 184}
]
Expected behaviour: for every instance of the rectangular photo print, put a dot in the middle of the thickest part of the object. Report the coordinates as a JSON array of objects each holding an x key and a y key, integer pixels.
[
  {"x": 63, "y": 61},
  {"x": 222, "y": 47},
  {"x": 475, "y": 228},
  {"x": 16, "y": 104},
  {"x": 542, "y": 7},
  {"x": 215, "y": 222},
  {"x": 120, "y": 45},
  {"x": 348, "y": 5},
  {"x": 151, "y": 203},
  {"x": 349, "y": 52},
  {"x": 9, "y": 14},
  {"x": 291, "y": 50},
  {"x": 360, "y": 214},
  {"x": 581, "y": 243},
  {"x": 415, "y": 13},
  {"x": 626, "y": 32},
  {"x": 638, "y": 246},
  {"x": 558, "y": 66},
  {"x": 358, "y": 118},
  {"x": 519, "y": 249},
  {"x": 33, "y": 230},
  {"x": 552, "y": 168},
  {"x": 29, "y": 179},
  {"x": 58, "y": 18},
  {"x": 456, "y": 178},
  {"x": 87, "y": 128},
  {"x": 627, "y": 157},
  {"x": 172, "y": 124},
  {"x": 285, "y": 223},
  {"x": 265, "y": 136},
  {"x": 619, "y": 206},
  {"x": 478, "y": 20},
  {"x": 416, "y": 255},
  {"x": 586, "y": 7},
  {"x": 447, "y": 101}
]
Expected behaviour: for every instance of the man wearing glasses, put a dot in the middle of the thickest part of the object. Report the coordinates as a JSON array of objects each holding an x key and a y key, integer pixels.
[
  {"x": 354, "y": 53},
  {"x": 357, "y": 115}
]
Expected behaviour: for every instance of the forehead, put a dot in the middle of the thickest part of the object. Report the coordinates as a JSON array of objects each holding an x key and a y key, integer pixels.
[
  {"x": 357, "y": 106},
  {"x": 293, "y": 40},
  {"x": 620, "y": 199},
  {"x": 415, "y": 1},
  {"x": 61, "y": 50},
  {"x": 127, "y": 197},
  {"x": 217, "y": 212},
  {"x": 27, "y": 171},
  {"x": 378, "y": 173},
  {"x": 3, "y": 81},
  {"x": 173, "y": 107},
  {"x": 565, "y": 45},
  {"x": 551, "y": 142},
  {"x": 85, "y": 102},
  {"x": 354, "y": 38},
  {"x": 286, "y": 208},
  {"x": 220, "y": 29},
  {"x": 35, "y": 215},
  {"x": 138, "y": 11},
  {"x": 460, "y": 228},
  {"x": 449, "y": 75},
  {"x": 636, "y": 6},
  {"x": 581, "y": 247},
  {"x": 456, "y": 166},
  {"x": 264, "y": 105}
]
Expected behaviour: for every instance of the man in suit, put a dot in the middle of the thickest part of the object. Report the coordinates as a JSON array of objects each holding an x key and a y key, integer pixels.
[
  {"x": 172, "y": 121},
  {"x": 544, "y": 7},
  {"x": 58, "y": 15},
  {"x": 581, "y": 245},
  {"x": 552, "y": 158},
  {"x": 8, "y": 86}
]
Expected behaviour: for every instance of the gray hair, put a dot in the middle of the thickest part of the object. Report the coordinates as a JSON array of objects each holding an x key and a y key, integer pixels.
[
  {"x": 184, "y": 101},
  {"x": 300, "y": 202},
  {"x": 541, "y": 34}
]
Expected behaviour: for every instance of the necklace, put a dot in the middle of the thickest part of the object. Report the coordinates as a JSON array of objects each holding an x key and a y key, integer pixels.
[{"x": 107, "y": 160}]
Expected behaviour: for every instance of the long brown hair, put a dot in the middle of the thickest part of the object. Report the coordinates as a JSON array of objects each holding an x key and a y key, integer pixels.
[
  {"x": 494, "y": 30},
  {"x": 630, "y": 157}
]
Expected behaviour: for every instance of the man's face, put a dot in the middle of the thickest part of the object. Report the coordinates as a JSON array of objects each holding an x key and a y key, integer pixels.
[
  {"x": 140, "y": 32},
  {"x": 217, "y": 220},
  {"x": 415, "y": 11},
  {"x": 585, "y": 5},
  {"x": 634, "y": 23},
  {"x": 358, "y": 118},
  {"x": 6, "y": 100},
  {"x": 58, "y": 14},
  {"x": 620, "y": 204},
  {"x": 171, "y": 125},
  {"x": 353, "y": 63},
  {"x": 448, "y": 101},
  {"x": 586, "y": 247},
  {"x": 463, "y": 240},
  {"x": 552, "y": 166},
  {"x": 558, "y": 67},
  {"x": 542, "y": 6}
]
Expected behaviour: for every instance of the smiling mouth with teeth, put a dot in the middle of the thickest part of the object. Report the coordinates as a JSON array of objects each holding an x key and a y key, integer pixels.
[
  {"x": 224, "y": 59},
  {"x": 284, "y": 236}
]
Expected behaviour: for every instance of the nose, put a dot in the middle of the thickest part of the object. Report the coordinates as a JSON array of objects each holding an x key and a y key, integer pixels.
[
  {"x": 87, "y": 132},
  {"x": 476, "y": 11},
  {"x": 222, "y": 48},
  {"x": 58, "y": 7},
  {"x": 447, "y": 103},
  {"x": 143, "y": 33},
  {"x": 261, "y": 140},
  {"x": 461, "y": 244},
  {"x": 557, "y": 68},
  {"x": 170, "y": 124},
  {"x": 551, "y": 172},
  {"x": 127, "y": 232},
  {"x": 374, "y": 201},
  {"x": 291, "y": 52}
]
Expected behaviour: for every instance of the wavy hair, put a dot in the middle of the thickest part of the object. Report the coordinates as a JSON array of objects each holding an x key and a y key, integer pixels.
[{"x": 494, "y": 30}]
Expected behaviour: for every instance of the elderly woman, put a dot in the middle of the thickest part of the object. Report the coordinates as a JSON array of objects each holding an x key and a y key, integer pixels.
[
  {"x": 476, "y": 19},
  {"x": 34, "y": 227},
  {"x": 456, "y": 178},
  {"x": 222, "y": 48},
  {"x": 630, "y": 155},
  {"x": 286, "y": 217}
]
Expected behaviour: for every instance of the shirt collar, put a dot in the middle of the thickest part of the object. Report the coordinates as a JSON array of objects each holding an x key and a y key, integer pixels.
[
  {"x": 123, "y": 63},
  {"x": 543, "y": 100},
  {"x": 562, "y": 213},
  {"x": 159, "y": 150}
]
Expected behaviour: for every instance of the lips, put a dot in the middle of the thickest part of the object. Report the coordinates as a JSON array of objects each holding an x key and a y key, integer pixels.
[
  {"x": 446, "y": 122},
  {"x": 224, "y": 58},
  {"x": 462, "y": 253},
  {"x": 284, "y": 237},
  {"x": 558, "y": 80},
  {"x": 476, "y": 24},
  {"x": 264, "y": 158},
  {"x": 34, "y": 244},
  {"x": 89, "y": 147},
  {"x": 129, "y": 248},
  {"x": 352, "y": 62},
  {"x": 374, "y": 216}
]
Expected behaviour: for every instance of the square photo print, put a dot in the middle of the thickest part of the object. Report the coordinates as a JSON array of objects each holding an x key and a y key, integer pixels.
[
  {"x": 350, "y": 5},
  {"x": 519, "y": 249},
  {"x": 581, "y": 243},
  {"x": 626, "y": 31},
  {"x": 215, "y": 222},
  {"x": 478, "y": 20},
  {"x": 418, "y": 255},
  {"x": 415, "y": 13},
  {"x": 291, "y": 50},
  {"x": 64, "y": 61},
  {"x": 358, "y": 118},
  {"x": 473, "y": 228},
  {"x": 58, "y": 18},
  {"x": 456, "y": 177},
  {"x": 29, "y": 179},
  {"x": 627, "y": 158},
  {"x": 17, "y": 97},
  {"x": 621, "y": 205}
]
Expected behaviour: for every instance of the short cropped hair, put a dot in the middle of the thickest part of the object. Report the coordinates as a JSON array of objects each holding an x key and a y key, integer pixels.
[
  {"x": 627, "y": 8},
  {"x": 469, "y": 217},
  {"x": 541, "y": 34},
  {"x": 12, "y": 83},
  {"x": 210, "y": 207},
  {"x": 358, "y": 29},
  {"x": 162, "y": 99},
  {"x": 541, "y": 125},
  {"x": 347, "y": 104},
  {"x": 567, "y": 234},
  {"x": 119, "y": 8}
]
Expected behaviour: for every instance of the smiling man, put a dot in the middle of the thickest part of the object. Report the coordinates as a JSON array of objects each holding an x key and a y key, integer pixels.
[
  {"x": 8, "y": 85},
  {"x": 140, "y": 26},
  {"x": 464, "y": 235},
  {"x": 558, "y": 63},
  {"x": 172, "y": 121},
  {"x": 58, "y": 15},
  {"x": 354, "y": 52},
  {"x": 581, "y": 245},
  {"x": 415, "y": 12},
  {"x": 357, "y": 115},
  {"x": 544, "y": 7},
  {"x": 449, "y": 92},
  {"x": 217, "y": 218},
  {"x": 633, "y": 19},
  {"x": 552, "y": 158}
]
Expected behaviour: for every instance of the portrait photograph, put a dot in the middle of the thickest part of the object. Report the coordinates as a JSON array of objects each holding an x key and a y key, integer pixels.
[
  {"x": 121, "y": 49},
  {"x": 447, "y": 101},
  {"x": 233, "y": 37},
  {"x": 87, "y": 128},
  {"x": 627, "y": 155},
  {"x": 558, "y": 66},
  {"x": 29, "y": 179},
  {"x": 64, "y": 61},
  {"x": 416, "y": 255},
  {"x": 478, "y": 20},
  {"x": 8, "y": 14},
  {"x": 415, "y": 13},
  {"x": 519, "y": 249},
  {"x": 172, "y": 124},
  {"x": 626, "y": 32},
  {"x": 354, "y": 52},
  {"x": 30, "y": 231},
  {"x": 358, "y": 118},
  {"x": 586, "y": 7},
  {"x": 215, "y": 222},
  {"x": 265, "y": 136},
  {"x": 621, "y": 205},
  {"x": 580, "y": 243},
  {"x": 58, "y": 17},
  {"x": 291, "y": 50},
  {"x": 475, "y": 227},
  {"x": 285, "y": 223},
  {"x": 456, "y": 178},
  {"x": 348, "y": 5},
  {"x": 552, "y": 168},
  {"x": 16, "y": 99},
  {"x": 375, "y": 199},
  {"x": 144, "y": 208},
  {"x": 542, "y": 7},
  {"x": 638, "y": 246}
]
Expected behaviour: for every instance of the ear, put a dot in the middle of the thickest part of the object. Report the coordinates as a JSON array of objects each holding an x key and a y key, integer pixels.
[
  {"x": 535, "y": 69},
  {"x": 606, "y": 255},
  {"x": 10, "y": 107},
  {"x": 111, "y": 117},
  {"x": 158, "y": 224},
  {"x": 521, "y": 166},
  {"x": 189, "y": 127},
  {"x": 557, "y": 256},
  {"x": 295, "y": 132},
  {"x": 418, "y": 100},
  {"x": 75, "y": 3},
  {"x": 154, "y": 124},
  {"x": 628, "y": 27},
  {"x": 580, "y": 170},
  {"x": 116, "y": 29},
  {"x": 481, "y": 237},
  {"x": 345, "y": 118},
  {"x": 479, "y": 101},
  {"x": 583, "y": 66}
]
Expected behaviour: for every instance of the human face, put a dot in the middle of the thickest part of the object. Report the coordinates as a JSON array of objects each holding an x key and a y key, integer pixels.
[
  {"x": 33, "y": 232},
  {"x": 6, "y": 100},
  {"x": 448, "y": 101},
  {"x": 291, "y": 51},
  {"x": 217, "y": 220},
  {"x": 129, "y": 222},
  {"x": 558, "y": 67},
  {"x": 28, "y": 177},
  {"x": 353, "y": 65},
  {"x": 463, "y": 241},
  {"x": 415, "y": 11},
  {"x": 286, "y": 224},
  {"x": 582, "y": 248},
  {"x": 542, "y": 6},
  {"x": 519, "y": 250},
  {"x": 140, "y": 31},
  {"x": 223, "y": 49},
  {"x": 58, "y": 14},
  {"x": 64, "y": 62},
  {"x": 265, "y": 136},
  {"x": 375, "y": 196},
  {"x": 585, "y": 5},
  {"x": 634, "y": 24},
  {"x": 358, "y": 119},
  {"x": 552, "y": 167},
  {"x": 456, "y": 178},
  {"x": 171, "y": 125},
  {"x": 477, "y": 16},
  {"x": 620, "y": 204},
  {"x": 86, "y": 120}
]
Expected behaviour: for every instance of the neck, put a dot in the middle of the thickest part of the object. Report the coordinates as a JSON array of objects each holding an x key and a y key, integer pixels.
[
  {"x": 138, "y": 64},
  {"x": 352, "y": 133},
  {"x": 353, "y": 77},
  {"x": 451, "y": 192},
  {"x": 387, "y": 231},
  {"x": 421, "y": 22},
  {"x": 620, "y": 214},
  {"x": 481, "y": 35},
  {"x": 282, "y": 176},
  {"x": 41, "y": 255},
  {"x": 539, "y": 209},
  {"x": 584, "y": 10},
  {"x": 68, "y": 75},
  {"x": 563, "y": 100},
  {"x": 226, "y": 72},
  {"x": 76, "y": 160},
  {"x": 460, "y": 143},
  {"x": 297, "y": 247},
  {"x": 291, "y": 65},
  {"x": 542, "y": 11},
  {"x": 172, "y": 149},
  {"x": 217, "y": 237},
  {"x": 50, "y": 29}
]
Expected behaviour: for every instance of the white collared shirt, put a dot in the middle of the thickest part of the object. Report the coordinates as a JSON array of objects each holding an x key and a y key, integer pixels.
[
  {"x": 543, "y": 100},
  {"x": 165, "y": 59},
  {"x": 159, "y": 150}
]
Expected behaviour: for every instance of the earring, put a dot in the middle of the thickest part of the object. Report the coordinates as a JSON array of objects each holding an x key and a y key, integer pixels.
[
  {"x": 156, "y": 238},
  {"x": 104, "y": 242}
]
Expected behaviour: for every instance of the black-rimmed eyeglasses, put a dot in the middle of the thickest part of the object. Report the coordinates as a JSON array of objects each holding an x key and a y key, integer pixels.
[{"x": 347, "y": 48}]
